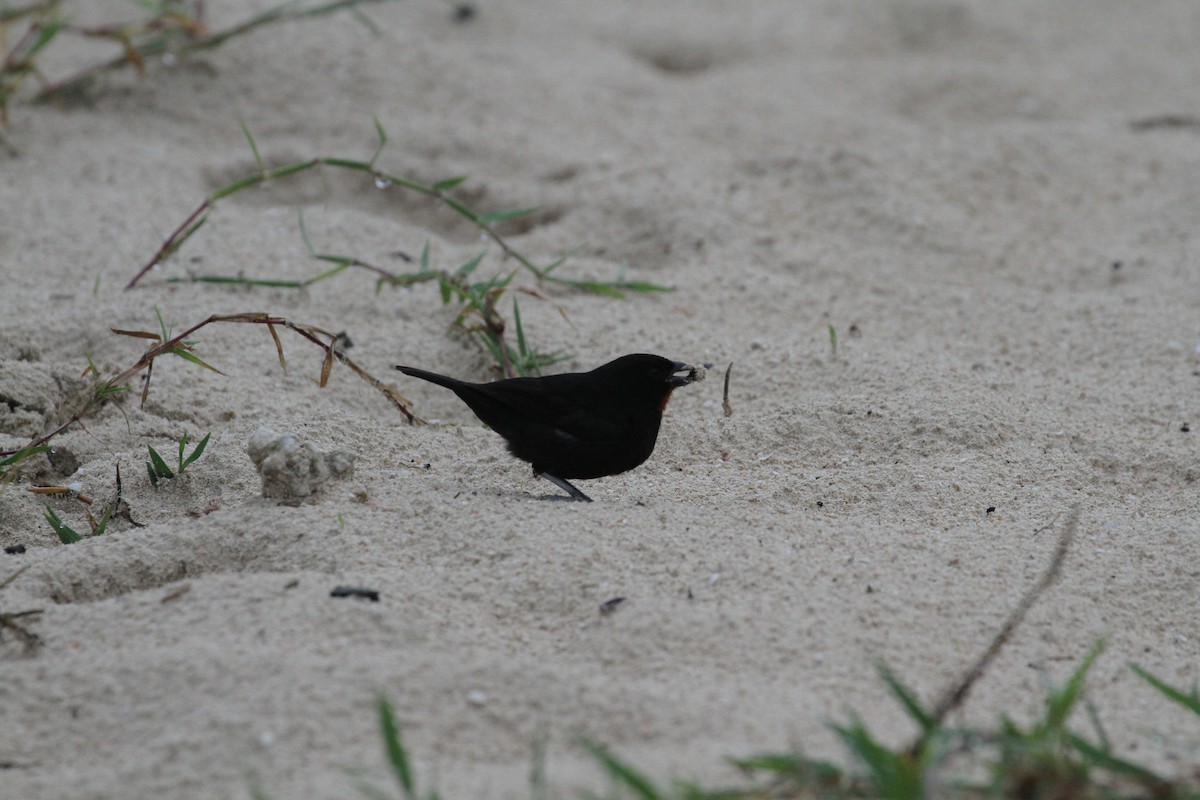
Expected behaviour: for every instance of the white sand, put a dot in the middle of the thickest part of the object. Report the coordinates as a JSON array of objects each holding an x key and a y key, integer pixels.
[{"x": 948, "y": 184}]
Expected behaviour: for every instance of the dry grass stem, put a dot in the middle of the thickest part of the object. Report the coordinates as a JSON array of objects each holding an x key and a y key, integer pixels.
[{"x": 177, "y": 345}]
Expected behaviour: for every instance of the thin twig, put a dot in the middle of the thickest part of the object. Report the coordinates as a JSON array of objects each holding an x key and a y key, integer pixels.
[
  {"x": 27, "y": 637},
  {"x": 955, "y": 697},
  {"x": 7, "y": 619},
  {"x": 725, "y": 405},
  {"x": 12, "y": 577},
  {"x": 172, "y": 242}
]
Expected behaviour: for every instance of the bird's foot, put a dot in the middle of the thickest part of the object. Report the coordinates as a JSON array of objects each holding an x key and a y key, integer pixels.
[{"x": 566, "y": 486}]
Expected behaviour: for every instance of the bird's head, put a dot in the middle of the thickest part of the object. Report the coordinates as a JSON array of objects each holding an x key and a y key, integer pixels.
[{"x": 654, "y": 375}]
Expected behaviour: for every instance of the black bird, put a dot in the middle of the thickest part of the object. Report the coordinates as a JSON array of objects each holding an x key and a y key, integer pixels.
[{"x": 579, "y": 424}]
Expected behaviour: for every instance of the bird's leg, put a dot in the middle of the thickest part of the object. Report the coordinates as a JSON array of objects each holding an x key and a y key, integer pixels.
[{"x": 565, "y": 486}]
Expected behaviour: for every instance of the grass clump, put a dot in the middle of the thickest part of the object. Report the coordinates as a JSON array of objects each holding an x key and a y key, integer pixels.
[
  {"x": 442, "y": 191},
  {"x": 165, "y": 343},
  {"x": 11, "y": 461},
  {"x": 157, "y": 468},
  {"x": 1044, "y": 760},
  {"x": 478, "y": 299},
  {"x": 67, "y": 534},
  {"x": 167, "y": 30}
]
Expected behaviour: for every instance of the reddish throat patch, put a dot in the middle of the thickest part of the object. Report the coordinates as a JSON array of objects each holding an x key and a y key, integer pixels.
[{"x": 662, "y": 406}]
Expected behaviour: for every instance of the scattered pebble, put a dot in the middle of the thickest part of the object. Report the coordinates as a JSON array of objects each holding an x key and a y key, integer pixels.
[
  {"x": 609, "y": 606},
  {"x": 176, "y": 593},
  {"x": 356, "y": 591}
]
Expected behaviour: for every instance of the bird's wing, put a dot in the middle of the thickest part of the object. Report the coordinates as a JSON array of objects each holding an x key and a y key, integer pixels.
[
  {"x": 559, "y": 406},
  {"x": 582, "y": 425}
]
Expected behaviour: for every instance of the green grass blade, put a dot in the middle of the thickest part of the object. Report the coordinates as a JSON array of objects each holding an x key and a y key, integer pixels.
[
  {"x": 895, "y": 776},
  {"x": 382, "y": 134},
  {"x": 462, "y": 209},
  {"x": 469, "y": 267},
  {"x": 199, "y": 451},
  {"x": 365, "y": 21},
  {"x": 643, "y": 286},
  {"x": 405, "y": 279},
  {"x": 1060, "y": 703},
  {"x": 615, "y": 289},
  {"x": 166, "y": 332},
  {"x": 449, "y": 183},
  {"x": 289, "y": 169},
  {"x": 522, "y": 345},
  {"x": 330, "y": 8},
  {"x": 304, "y": 234},
  {"x": 1189, "y": 701},
  {"x": 183, "y": 237},
  {"x": 795, "y": 769},
  {"x": 537, "y": 769},
  {"x": 622, "y": 773},
  {"x": 492, "y": 217},
  {"x": 1098, "y": 725},
  {"x": 908, "y": 700},
  {"x": 187, "y": 355},
  {"x": 394, "y": 748},
  {"x": 237, "y": 280},
  {"x": 236, "y": 186},
  {"x": 66, "y": 534},
  {"x": 1101, "y": 757},
  {"x": 388, "y": 180},
  {"x": 46, "y": 33},
  {"x": 253, "y": 147},
  {"x": 104, "y": 518},
  {"x": 492, "y": 345},
  {"x": 107, "y": 389},
  {"x": 348, "y": 163},
  {"x": 21, "y": 455},
  {"x": 160, "y": 467},
  {"x": 342, "y": 265},
  {"x": 555, "y": 264},
  {"x": 592, "y": 287}
]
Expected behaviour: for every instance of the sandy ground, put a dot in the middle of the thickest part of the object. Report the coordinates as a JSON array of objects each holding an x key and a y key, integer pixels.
[{"x": 961, "y": 189}]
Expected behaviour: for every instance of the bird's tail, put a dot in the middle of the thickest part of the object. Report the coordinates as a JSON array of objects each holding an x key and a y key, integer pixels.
[{"x": 432, "y": 377}]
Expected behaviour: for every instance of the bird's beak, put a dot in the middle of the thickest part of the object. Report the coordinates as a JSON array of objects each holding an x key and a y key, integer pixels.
[{"x": 690, "y": 374}]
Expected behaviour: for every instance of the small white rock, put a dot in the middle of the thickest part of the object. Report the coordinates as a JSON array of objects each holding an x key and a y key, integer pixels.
[{"x": 291, "y": 469}]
